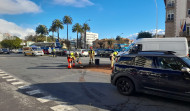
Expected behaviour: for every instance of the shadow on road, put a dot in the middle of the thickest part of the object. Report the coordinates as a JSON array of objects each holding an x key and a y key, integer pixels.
[
  {"x": 49, "y": 67},
  {"x": 104, "y": 96}
]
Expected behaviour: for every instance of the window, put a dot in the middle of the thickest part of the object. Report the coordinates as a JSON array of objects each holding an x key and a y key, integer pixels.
[
  {"x": 170, "y": 15},
  {"x": 146, "y": 62},
  {"x": 170, "y": 3},
  {"x": 189, "y": 12},
  {"x": 126, "y": 60},
  {"x": 170, "y": 63}
]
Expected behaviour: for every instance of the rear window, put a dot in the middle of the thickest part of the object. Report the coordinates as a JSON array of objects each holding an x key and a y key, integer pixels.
[
  {"x": 126, "y": 60},
  {"x": 146, "y": 62}
]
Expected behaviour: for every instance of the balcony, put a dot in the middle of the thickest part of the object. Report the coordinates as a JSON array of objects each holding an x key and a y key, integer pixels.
[
  {"x": 184, "y": 34},
  {"x": 170, "y": 5}
]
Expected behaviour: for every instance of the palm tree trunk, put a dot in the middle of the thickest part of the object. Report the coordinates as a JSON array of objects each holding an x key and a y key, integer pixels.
[
  {"x": 58, "y": 34},
  {"x": 52, "y": 35},
  {"x": 85, "y": 39},
  {"x": 77, "y": 40},
  {"x": 67, "y": 33}
]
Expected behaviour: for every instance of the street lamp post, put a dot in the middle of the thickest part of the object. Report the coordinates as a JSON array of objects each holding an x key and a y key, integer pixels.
[{"x": 156, "y": 19}]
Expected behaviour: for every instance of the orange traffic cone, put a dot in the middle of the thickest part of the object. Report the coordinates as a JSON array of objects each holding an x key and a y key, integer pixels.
[
  {"x": 79, "y": 62},
  {"x": 69, "y": 65}
]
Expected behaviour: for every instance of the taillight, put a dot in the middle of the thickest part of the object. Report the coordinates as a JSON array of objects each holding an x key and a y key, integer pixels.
[{"x": 82, "y": 51}]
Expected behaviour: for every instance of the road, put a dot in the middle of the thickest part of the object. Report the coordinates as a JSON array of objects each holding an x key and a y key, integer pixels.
[{"x": 45, "y": 84}]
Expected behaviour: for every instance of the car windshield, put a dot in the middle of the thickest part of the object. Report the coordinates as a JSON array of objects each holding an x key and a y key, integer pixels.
[
  {"x": 186, "y": 60},
  {"x": 37, "y": 49}
]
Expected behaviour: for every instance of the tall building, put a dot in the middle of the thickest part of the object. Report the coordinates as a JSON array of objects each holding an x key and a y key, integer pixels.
[
  {"x": 177, "y": 18},
  {"x": 90, "y": 38}
]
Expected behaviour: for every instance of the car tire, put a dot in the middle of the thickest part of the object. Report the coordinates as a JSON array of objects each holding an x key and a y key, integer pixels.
[
  {"x": 33, "y": 54},
  {"x": 125, "y": 86},
  {"x": 24, "y": 54}
]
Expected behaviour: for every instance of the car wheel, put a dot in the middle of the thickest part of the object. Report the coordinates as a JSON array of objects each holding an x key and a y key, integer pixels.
[
  {"x": 24, "y": 54},
  {"x": 33, "y": 54},
  {"x": 125, "y": 86}
]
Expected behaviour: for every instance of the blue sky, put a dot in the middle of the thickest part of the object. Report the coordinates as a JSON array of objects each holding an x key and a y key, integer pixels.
[{"x": 109, "y": 18}]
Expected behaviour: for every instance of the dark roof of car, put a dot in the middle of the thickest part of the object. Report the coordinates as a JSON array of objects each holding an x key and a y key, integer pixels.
[{"x": 152, "y": 53}]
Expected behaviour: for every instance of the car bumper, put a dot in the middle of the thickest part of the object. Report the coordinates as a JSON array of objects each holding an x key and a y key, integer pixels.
[{"x": 39, "y": 54}]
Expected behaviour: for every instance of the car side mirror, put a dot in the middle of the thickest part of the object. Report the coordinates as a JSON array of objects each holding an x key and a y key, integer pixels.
[{"x": 185, "y": 69}]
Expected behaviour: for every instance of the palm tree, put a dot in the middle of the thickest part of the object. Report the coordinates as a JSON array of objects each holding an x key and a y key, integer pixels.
[
  {"x": 67, "y": 20},
  {"x": 52, "y": 29},
  {"x": 85, "y": 28},
  {"x": 77, "y": 28},
  {"x": 58, "y": 25}
]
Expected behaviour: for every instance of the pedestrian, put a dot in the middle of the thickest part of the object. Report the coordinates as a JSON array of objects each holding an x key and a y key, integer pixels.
[
  {"x": 54, "y": 52},
  {"x": 112, "y": 58},
  {"x": 91, "y": 53}
]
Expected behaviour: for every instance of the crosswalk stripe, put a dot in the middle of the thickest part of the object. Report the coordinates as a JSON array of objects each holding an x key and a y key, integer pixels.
[
  {"x": 9, "y": 80},
  {"x": 46, "y": 99},
  {"x": 63, "y": 108},
  {"x": 33, "y": 92},
  {"x": 6, "y": 77},
  {"x": 3, "y": 75},
  {"x": 17, "y": 83}
]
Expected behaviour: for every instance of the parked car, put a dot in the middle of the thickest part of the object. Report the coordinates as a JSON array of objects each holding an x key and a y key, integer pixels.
[
  {"x": 34, "y": 51},
  {"x": 4, "y": 51},
  {"x": 160, "y": 73},
  {"x": 106, "y": 52},
  {"x": 100, "y": 52},
  {"x": 83, "y": 52}
]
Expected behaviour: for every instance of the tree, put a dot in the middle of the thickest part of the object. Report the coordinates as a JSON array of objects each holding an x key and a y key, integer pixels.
[
  {"x": 144, "y": 35},
  {"x": 77, "y": 28},
  {"x": 101, "y": 44},
  {"x": 110, "y": 42},
  {"x": 85, "y": 28},
  {"x": 58, "y": 25},
  {"x": 52, "y": 29},
  {"x": 42, "y": 29},
  {"x": 67, "y": 20},
  {"x": 118, "y": 38},
  {"x": 12, "y": 43}
]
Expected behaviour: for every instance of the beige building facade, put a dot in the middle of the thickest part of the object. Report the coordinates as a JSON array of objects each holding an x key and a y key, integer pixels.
[{"x": 177, "y": 14}]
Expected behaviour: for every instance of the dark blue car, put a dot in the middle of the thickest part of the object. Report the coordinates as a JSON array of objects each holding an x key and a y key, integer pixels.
[{"x": 161, "y": 73}]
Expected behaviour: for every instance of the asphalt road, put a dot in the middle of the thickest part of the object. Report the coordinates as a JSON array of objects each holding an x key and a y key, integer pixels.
[{"x": 49, "y": 85}]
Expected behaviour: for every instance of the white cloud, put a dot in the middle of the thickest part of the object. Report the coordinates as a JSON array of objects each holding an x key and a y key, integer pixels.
[
  {"x": 15, "y": 30},
  {"x": 160, "y": 32},
  {"x": 18, "y": 7},
  {"x": 74, "y": 3}
]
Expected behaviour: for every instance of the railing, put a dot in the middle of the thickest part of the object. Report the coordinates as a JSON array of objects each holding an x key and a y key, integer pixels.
[{"x": 171, "y": 5}]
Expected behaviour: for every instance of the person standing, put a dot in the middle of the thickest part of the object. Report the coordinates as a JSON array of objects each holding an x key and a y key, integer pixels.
[
  {"x": 54, "y": 52},
  {"x": 112, "y": 58},
  {"x": 91, "y": 53}
]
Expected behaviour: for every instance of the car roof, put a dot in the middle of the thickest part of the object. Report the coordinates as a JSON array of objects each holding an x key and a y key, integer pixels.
[{"x": 152, "y": 53}]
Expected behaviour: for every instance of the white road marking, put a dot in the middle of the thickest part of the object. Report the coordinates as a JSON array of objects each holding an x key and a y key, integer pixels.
[
  {"x": 6, "y": 77},
  {"x": 9, "y": 80},
  {"x": 46, "y": 99},
  {"x": 24, "y": 87},
  {"x": 63, "y": 108},
  {"x": 33, "y": 92},
  {"x": 3, "y": 75},
  {"x": 17, "y": 83}
]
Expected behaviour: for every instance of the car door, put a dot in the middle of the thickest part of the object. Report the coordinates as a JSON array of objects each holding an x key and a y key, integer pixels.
[
  {"x": 172, "y": 80},
  {"x": 146, "y": 72}
]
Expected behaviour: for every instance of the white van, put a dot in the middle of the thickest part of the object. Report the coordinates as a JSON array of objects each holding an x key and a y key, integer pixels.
[{"x": 178, "y": 45}]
